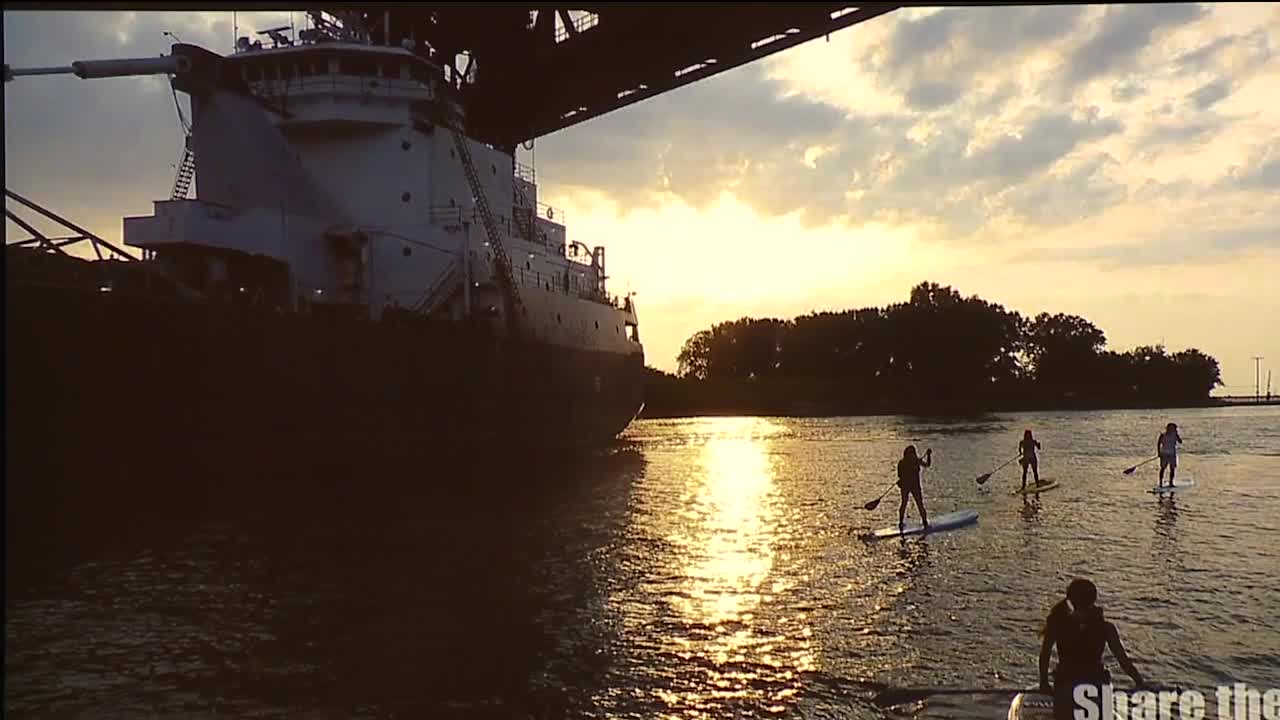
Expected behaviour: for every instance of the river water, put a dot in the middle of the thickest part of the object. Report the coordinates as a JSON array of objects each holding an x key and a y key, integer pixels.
[{"x": 707, "y": 567}]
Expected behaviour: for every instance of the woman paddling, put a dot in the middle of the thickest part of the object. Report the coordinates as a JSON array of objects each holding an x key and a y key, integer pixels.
[
  {"x": 1167, "y": 449},
  {"x": 1027, "y": 456},
  {"x": 1080, "y": 632},
  {"x": 909, "y": 482}
]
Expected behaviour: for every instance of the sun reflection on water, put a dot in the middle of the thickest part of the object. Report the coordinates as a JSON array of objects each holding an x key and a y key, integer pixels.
[{"x": 732, "y": 521}]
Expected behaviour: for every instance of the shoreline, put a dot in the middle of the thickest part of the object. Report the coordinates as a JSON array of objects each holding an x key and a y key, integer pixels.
[{"x": 941, "y": 414}]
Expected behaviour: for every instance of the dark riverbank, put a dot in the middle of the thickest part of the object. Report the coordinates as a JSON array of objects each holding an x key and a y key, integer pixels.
[
  {"x": 938, "y": 354},
  {"x": 670, "y": 396}
]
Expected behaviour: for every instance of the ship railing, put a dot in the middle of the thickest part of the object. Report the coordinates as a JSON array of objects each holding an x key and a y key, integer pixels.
[
  {"x": 585, "y": 21},
  {"x": 447, "y": 215},
  {"x": 525, "y": 173},
  {"x": 58, "y": 245},
  {"x": 279, "y": 89},
  {"x": 573, "y": 284},
  {"x": 554, "y": 214}
]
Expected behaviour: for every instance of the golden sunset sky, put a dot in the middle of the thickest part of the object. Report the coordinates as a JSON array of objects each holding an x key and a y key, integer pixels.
[{"x": 1121, "y": 163}]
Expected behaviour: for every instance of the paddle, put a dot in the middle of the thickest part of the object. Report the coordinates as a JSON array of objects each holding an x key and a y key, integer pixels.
[
  {"x": 1144, "y": 462},
  {"x": 876, "y": 503},
  {"x": 899, "y": 696},
  {"x": 983, "y": 478}
]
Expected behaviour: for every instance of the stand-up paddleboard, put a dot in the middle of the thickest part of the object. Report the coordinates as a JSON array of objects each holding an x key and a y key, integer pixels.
[
  {"x": 938, "y": 523},
  {"x": 1036, "y": 706},
  {"x": 1034, "y": 488},
  {"x": 1026, "y": 706},
  {"x": 1182, "y": 485}
]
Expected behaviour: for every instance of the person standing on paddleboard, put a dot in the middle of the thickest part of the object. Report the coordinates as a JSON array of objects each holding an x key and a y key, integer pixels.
[
  {"x": 1076, "y": 626},
  {"x": 909, "y": 482},
  {"x": 1027, "y": 450},
  {"x": 1167, "y": 449}
]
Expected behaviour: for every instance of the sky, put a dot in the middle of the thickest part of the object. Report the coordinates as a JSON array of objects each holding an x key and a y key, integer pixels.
[{"x": 1120, "y": 162}]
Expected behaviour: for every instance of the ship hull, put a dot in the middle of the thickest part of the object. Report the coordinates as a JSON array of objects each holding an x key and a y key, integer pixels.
[{"x": 89, "y": 368}]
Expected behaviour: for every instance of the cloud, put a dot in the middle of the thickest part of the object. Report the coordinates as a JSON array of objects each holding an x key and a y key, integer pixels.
[
  {"x": 693, "y": 142},
  {"x": 1210, "y": 93},
  {"x": 977, "y": 139},
  {"x": 931, "y": 60},
  {"x": 1121, "y": 35},
  {"x": 1261, "y": 173},
  {"x": 1128, "y": 91},
  {"x": 979, "y": 112},
  {"x": 1229, "y": 53},
  {"x": 1168, "y": 249},
  {"x": 932, "y": 94},
  {"x": 1069, "y": 196},
  {"x": 946, "y": 178},
  {"x": 1194, "y": 132}
]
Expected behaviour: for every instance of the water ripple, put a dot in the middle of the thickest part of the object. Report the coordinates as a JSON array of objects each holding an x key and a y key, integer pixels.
[{"x": 712, "y": 569}]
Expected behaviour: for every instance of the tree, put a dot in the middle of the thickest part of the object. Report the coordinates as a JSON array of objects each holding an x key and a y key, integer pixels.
[
  {"x": 695, "y": 356},
  {"x": 1197, "y": 374},
  {"x": 937, "y": 352},
  {"x": 741, "y": 349},
  {"x": 1063, "y": 350}
]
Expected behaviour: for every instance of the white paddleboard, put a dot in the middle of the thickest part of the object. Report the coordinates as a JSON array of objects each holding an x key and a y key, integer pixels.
[
  {"x": 1181, "y": 485},
  {"x": 1035, "y": 706},
  {"x": 938, "y": 523},
  {"x": 1026, "y": 706},
  {"x": 1032, "y": 488}
]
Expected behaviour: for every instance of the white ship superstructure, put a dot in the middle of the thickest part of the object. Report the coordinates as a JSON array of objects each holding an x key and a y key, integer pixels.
[{"x": 339, "y": 182}]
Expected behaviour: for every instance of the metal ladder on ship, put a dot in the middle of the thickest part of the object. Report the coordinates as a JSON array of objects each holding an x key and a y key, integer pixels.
[
  {"x": 506, "y": 280},
  {"x": 186, "y": 173}
]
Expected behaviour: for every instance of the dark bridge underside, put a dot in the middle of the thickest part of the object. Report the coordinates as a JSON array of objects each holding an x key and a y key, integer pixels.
[{"x": 534, "y": 79}]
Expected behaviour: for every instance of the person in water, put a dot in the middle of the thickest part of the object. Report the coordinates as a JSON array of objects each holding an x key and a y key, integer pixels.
[
  {"x": 1027, "y": 456},
  {"x": 909, "y": 483},
  {"x": 1076, "y": 626},
  {"x": 1167, "y": 449}
]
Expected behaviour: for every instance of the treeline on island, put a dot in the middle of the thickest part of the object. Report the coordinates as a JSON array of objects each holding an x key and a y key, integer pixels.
[{"x": 937, "y": 353}]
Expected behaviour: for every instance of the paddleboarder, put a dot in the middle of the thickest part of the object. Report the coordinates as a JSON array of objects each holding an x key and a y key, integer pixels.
[
  {"x": 1077, "y": 627},
  {"x": 1027, "y": 456},
  {"x": 1167, "y": 449},
  {"x": 909, "y": 483}
]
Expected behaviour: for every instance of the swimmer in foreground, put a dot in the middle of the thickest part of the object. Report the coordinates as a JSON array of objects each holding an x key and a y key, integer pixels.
[{"x": 1076, "y": 626}]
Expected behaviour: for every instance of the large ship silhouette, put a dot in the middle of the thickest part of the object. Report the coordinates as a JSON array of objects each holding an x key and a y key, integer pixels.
[{"x": 352, "y": 261}]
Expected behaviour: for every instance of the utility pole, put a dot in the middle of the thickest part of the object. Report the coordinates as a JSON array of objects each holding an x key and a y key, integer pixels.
[{"x": 1257, "y": 378}]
